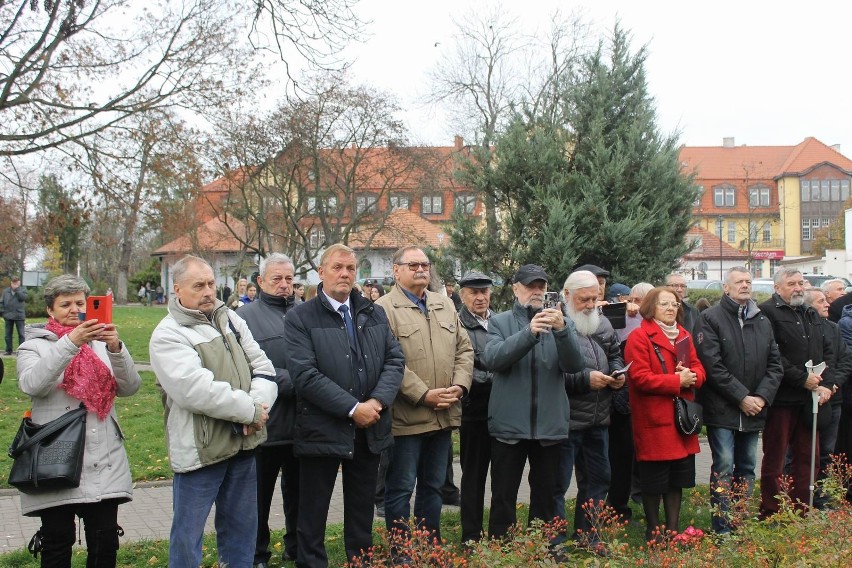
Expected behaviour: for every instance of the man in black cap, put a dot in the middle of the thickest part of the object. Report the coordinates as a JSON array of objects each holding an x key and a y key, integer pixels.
[
  {"x": 528, "y": 350},
  {"x": 475, "y": 443}
]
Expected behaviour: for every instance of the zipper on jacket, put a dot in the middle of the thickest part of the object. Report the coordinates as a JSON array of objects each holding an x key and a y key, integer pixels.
[
  {"x": 534, "y": 392},
  {"x": 205, "y": 434}
]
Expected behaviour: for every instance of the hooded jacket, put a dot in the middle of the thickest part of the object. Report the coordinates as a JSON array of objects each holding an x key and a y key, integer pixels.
[
  {"x": 601, "y": 352},
  {"x": 528, "y": 398},
  {"x": 800, "y": 335},
  {"x": 212, "y": 382},
  {"x": 42, "y": 360},
  {"x": 741, "y": 358},
  {"x": 265, "y": 318}
]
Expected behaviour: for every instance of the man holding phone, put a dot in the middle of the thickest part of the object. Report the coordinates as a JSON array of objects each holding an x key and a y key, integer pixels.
[
  {"x": 529, "y": 348},
  {"x": 590, "y": 396}
]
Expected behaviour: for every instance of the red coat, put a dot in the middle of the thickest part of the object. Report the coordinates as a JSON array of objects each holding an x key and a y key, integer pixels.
[{"x": 652, "y": 393}]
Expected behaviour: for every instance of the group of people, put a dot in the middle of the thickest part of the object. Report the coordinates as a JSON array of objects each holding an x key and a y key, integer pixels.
[
  {"x": 304, "y": 389},
  {"x": 247, "y": 292}
]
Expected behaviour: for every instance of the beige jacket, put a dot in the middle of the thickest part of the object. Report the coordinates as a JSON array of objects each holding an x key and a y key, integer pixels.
[{"x": 438, "y": 354}]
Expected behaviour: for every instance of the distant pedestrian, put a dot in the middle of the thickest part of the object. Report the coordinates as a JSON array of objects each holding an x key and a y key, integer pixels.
[{"x": 14, "y": 311}]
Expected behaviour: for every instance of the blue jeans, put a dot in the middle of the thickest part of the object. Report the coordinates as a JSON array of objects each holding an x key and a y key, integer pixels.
[
  {"x": 419, "y": 459},
  {"x": 588, "y": 450},
  {"x": 734, "y": 462},
  {"x": 232, "y": 485}
]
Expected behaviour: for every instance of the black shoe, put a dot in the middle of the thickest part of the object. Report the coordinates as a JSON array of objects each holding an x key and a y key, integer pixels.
[
  {"x": 380, "y": 511},
  {"x": 288, "y": 557},
  {"x": 7, "y": 353}
]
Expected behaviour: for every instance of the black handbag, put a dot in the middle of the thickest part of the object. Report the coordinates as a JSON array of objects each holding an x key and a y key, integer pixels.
[
  {"x": 49, "y": 456},
  {"x": 689, "y": 416}
]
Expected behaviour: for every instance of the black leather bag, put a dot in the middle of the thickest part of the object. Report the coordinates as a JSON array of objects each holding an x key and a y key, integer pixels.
[
  {"x": 49, "y": 456},
  {"x": 689, "y": 416}
]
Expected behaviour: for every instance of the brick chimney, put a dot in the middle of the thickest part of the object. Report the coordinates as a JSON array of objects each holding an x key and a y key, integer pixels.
[
  {"x": 458, "y": 142},
  {"x": 728, "y": 142}
]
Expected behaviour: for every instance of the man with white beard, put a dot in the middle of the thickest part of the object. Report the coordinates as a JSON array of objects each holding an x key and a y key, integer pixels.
[{"x": 589, "y": 395}]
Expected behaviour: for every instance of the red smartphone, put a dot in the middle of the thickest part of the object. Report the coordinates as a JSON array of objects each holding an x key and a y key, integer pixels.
[{"x": 99, "y": 308}]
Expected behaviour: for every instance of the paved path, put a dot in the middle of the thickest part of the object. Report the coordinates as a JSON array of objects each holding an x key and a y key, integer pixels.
[{"x": 149, "y": 515}]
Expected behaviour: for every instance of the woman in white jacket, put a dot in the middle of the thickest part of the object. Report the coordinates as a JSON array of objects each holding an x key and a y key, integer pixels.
[{"x": 63, "y": 363}]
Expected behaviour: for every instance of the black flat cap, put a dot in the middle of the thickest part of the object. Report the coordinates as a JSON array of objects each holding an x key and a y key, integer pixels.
[
  {"x": 530, "y": 273},
  {"x": 474, "y": 279},
  {"x": 596, "y": 270}
]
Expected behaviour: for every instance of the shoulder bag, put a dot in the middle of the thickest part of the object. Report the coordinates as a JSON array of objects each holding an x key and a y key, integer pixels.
[
  {"x": 688, "y": 414},
  {"x": 49, "y": 456}
]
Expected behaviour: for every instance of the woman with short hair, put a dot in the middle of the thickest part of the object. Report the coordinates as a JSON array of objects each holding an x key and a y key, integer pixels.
[{"x": 62, "y": 363}]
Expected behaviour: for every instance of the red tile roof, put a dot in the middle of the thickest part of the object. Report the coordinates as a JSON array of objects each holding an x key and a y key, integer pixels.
[
  {"x": 759, "y": 162},
  {"x": 401, "y": 227},
  {"x": 710, "y": 246},
  {"x": 212, "y": 236}
]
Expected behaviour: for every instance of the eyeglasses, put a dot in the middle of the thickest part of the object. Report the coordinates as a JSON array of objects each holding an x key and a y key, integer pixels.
[
  {"x": 415, "y": 265},
  {"x": 667, "y": 305},
  {"x": 678, "y": 286}
]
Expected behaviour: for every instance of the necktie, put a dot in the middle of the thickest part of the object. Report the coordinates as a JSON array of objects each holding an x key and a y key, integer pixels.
[{"x": 350, "y": 327}]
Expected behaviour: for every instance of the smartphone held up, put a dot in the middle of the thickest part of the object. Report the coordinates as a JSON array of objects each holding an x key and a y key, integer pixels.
[{"x": 98, "y": 308}]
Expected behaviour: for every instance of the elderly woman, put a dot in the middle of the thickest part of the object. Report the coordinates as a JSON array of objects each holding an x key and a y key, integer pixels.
[
  {"x": 63, "y": 363},
  {"x": 666, "y": 457}
]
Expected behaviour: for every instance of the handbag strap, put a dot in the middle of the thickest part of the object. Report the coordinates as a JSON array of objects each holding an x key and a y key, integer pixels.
[
  {"x": 48, "y": 429},
  {"x": 663, "y": 363}
]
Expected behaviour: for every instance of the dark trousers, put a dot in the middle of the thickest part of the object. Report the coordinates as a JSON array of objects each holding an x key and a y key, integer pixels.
[
  {"x": 317, "y": 476},
  {"x": 621, "y": 463},
  {"x": 475, "y": 455},
  {"x": 508, "y": 462},
  {"x": 10, "y": 325},
  {"x": 785, "y": 428},
  {"x": 100, "y": 522},
  {"x": 270, "y": 461},
  {"x": 844, "y": 438}
]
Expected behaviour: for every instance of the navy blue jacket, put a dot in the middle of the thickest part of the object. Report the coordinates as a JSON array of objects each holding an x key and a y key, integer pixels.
[{"x": 321, "y": 366}]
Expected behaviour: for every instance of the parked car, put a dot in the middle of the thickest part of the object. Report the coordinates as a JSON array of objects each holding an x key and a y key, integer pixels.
[
  {"x": 763, "y": 286},
  {"x": 704, "y": 284},
  {"x": 385, "y": 281},
  {"x": 817, "y": 280}
]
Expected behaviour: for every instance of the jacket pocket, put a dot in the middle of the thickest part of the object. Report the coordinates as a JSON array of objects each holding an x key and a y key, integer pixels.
[{"x": 410, "y": 338}]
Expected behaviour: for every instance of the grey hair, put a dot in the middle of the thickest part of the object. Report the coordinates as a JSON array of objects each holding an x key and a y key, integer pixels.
[
  {"x": 62, "y": 286},
  {"x": 827, "y": 283},
  {"x": 810, "y": 295},
  {"x": 735, "y": 269},
  {"x": 641, "y": 289},
  {"x": 669, "y": 277},
  {"x": 180, "y": 268},
  {"x": 782, "y": 273},
  {"x": 274, "y": 258},
  {"x": 580, "y": 279}
]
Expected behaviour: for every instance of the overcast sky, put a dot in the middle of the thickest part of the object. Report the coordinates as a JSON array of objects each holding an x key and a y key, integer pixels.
[{"x": 764, "y": 72}]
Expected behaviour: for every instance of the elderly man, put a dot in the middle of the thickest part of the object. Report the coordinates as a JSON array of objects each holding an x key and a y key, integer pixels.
[
  {"x": 475, "y": 443},
  {"x": 842, "y": 365},
  {"x": 691, "y": 316},
  {"x": 833, "y": 289},
  {"x": 529, "y": 349},
  {"x": 590, "y": 397},
  {"x": 744, "y": 370},
  {"x": 265, "y": 318},
  {"x": 347, "y": 367},
  {"x": 14, "y": 308},
  {"x": 601, "y": 274},
  {"x": 217, "y": 389},
  {"x": 801, "y": 337},
  {"x": 438, "y": 373}
]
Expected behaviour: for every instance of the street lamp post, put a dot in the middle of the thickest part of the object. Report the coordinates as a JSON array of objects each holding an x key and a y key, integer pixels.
[{"x": 721, "y": 272}]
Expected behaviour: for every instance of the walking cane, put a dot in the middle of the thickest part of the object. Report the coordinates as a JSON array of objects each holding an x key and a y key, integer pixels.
[
  {"x": 816, "y": 370},
  {"x": 811, "y": 487}
]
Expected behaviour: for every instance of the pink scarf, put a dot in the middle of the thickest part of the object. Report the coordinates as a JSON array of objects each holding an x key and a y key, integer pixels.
[{"x": 87, "y": 378}]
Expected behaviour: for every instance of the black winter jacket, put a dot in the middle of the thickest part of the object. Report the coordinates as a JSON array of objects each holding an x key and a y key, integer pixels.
[
  {"x": 265, "y": 319},
  {"x": 475, "y": 404},
  {"x": 842, "y": 362},
  {"x": 601, "y": 352},
  {"x": 800, "y": 335},
  {"x": 740, "y": 360},
  {"x": 321, "y": 366}
]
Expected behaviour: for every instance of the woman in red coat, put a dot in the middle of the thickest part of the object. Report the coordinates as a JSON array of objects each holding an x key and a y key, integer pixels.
[{"x": 666, "y": 456}]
